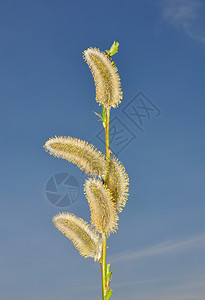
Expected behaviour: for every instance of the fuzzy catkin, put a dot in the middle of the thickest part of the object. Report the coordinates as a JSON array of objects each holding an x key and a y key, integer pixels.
[
  {"x": 105, "y": 74},
  {"x": 117, "y": 183},
  {"x": 85, "y": 239},
  {"x": 103, "y": 213},
  {"x": 79, "y": 152}
]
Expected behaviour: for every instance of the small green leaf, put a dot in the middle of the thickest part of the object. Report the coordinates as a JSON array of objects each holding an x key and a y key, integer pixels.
[
  {"x": 108, "y": 295},
  {"x": 108, "y": 268},
  {"x": 98, "y": 116},
  {"x": 104, "y": 116},
  {"x": 113, "y": 49},
  {"x": 108, "y": 278},
  {"x": 108, "y": 274},
  {"x": 98, "y": 297}
]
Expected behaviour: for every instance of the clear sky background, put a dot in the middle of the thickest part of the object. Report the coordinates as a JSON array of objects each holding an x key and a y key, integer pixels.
[{"x": 47, "y": 89}]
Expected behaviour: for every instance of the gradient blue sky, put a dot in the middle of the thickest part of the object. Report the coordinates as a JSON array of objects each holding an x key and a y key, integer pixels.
[{"x": 46, "y": 89}]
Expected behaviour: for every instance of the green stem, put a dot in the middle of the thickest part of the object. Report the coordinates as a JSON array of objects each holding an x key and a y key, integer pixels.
[
  {"x": 103, "y": 264},
  {"x": 104, "y": 237},
  {"x": 107, "y": 152}
]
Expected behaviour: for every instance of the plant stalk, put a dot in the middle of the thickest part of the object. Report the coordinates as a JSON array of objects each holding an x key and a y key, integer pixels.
[
  {"x": 107, "y": 152},
  {"x": 104, "y": 237},
  {"x": 103, "y": 265}
]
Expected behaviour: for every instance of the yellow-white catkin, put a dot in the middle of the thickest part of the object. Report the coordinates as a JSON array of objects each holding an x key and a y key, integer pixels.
[
  {"x": 105, "y": 74},
  {"x": 103, "y": 212},
  {"x": 79, "y": 152},
  {"x": 84, "y": 238},
  {"x": 117, "y": 183}
]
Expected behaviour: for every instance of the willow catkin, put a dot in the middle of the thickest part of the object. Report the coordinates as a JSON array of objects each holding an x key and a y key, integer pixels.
[
  {"x": 103, "y": 213},
  {"x": 105, "y": 74},
  {"x": 117, "y": 182},
  {"x": 85, "y": 239},
  {"x": 79, "y": 152}
]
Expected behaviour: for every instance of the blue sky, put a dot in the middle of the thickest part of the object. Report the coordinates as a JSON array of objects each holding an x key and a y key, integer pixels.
[{"x": 46, "y": 89}]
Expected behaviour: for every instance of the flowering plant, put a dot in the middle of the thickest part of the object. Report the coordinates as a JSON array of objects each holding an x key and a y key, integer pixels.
[{"x": 107, "y": 188}]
